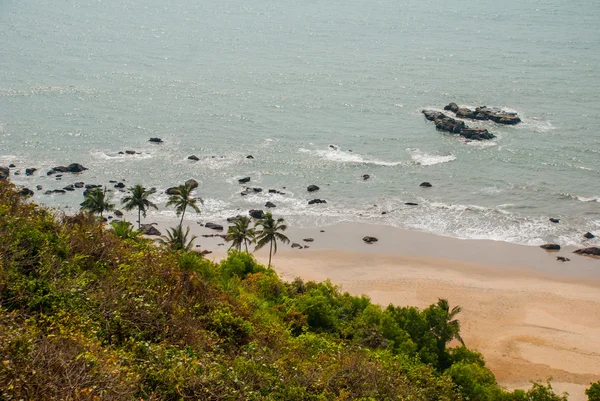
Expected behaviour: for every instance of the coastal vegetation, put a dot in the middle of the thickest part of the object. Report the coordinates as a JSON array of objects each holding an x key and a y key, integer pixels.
[
  {"x": 138, "y": 199},
  {"x": 88, "y": 313}
]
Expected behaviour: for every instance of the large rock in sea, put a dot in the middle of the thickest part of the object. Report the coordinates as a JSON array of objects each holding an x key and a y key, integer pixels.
[
  {"x": 449, "y": 124},
  {"x": 257, "y": 214},
  {"x": 75, "y": 168},
  {"x": 172, "y": 191},
  {"x": 155, "y": 140},
  {"x": 193, "y": 157},
  {"x": 312, "y": 188},
  {"x": 214, "y": 226},
  {"x": 4, "y": 172},
  {"x": 484, "y": 113},
  {"x": 26, "y": 192},
  {"x": 244, "y": 180},
  {"x": 30, "y": 171},
  {"x": 192, "y": 183},
  {"x": 592, "y": 251}
]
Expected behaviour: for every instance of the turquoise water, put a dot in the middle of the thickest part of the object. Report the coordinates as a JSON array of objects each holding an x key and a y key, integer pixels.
[{"x": 282, "y": 80}]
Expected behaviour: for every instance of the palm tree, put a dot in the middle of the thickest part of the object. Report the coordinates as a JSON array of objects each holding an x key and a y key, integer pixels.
[
  {"x": 240, "y": 233},
  {"x": 96, "y": 201},
  {"x": 270, "y": 233},
  {"x": 124, "y": 230},
  {"x": 138, "y": 198},
  {"x": 181, "y": 199},
  {"x": 444, "y": 305},
  {"x": 177, "y": 240}
]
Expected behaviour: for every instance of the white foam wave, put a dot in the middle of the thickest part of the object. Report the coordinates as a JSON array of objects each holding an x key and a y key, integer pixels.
[
  {"x": 429, "y": 159},
  {"x": 583, "y": 198},
  {"x": 118, "y": 157},
  {"x": 336, "y": 155}
]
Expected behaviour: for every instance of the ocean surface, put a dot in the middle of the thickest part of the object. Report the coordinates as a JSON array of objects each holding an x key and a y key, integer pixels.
[{"x": 283, "y": 80}]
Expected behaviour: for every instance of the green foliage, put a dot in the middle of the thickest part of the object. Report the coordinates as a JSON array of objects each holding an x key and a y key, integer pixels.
[
  {"x": 593, "y": 392},
  {"x": 182, "y": 199},
  {"x": 178, "y": 240},
  {"x": 96, "y": 201},
  {"x": 138, "y": 199},
  {"x": 269, "y": 231},
  {"x": 124, "y": 230},
  {"x": 86, "y": 315},
  {"x": 240, "y": 233}
]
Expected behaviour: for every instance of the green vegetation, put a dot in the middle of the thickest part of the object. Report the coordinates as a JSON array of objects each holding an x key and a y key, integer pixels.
[
  {"x": 87, "y": 315},
  {"x": 96, "y": 202},
  {"x": 593, "y": 392},
  {"x": 138, "y": 199},
  {"x": 182, "y": 199},
  {"x": 269, "y": 231},
  {"x": 240, "y": 233}
]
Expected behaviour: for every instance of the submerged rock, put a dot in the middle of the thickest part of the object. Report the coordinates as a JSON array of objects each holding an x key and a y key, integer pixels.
[
  {"x": 365, "y": 177},
  {"x": 316, "y": 201}
]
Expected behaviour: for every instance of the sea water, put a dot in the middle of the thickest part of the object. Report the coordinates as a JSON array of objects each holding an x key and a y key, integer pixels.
[{"x": 81, "y": 81}]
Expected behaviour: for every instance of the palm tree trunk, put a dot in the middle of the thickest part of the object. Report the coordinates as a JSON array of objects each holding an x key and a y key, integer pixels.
[
  {"x": 270, "y": 252},
  {"x": 246, "y": 244},
  {"x": 182, "y": 214},
  {"x": 139, "y": 218}
]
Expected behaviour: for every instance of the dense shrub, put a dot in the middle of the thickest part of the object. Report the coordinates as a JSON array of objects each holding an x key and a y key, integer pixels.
[{"x": 90, "y": 313}]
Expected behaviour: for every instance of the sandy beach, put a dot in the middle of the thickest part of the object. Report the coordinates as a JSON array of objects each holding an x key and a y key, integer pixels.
[{"x": 531, "y": 316}]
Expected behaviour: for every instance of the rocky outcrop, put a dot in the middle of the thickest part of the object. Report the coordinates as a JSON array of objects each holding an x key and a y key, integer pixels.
[
  {"x": 411, "y": 204},
  {"x": 296, "y": 245},
  {"x": 172, "y": 191},
  {"x": 425, "y": 185},
  {"x": 79, "y": 185},
  {"x": 312, "y": 188},
  {"x": 316, "y": 201},
  {"x": 120, "y": 185},
  {"x": 244, "y": 180},
  {"x": 118, "y": 213},
  {"x": 193, "y": 157},
  {"x": 71, "y": 168},
  {"x": 69, "y": 188},
  {"x": 192, "y": 183},
  {"x": 30, "y": 171},
  {"x": 270, "y": 204},
  {"x": 589, "y": 235},
  {"x": 214, "y": 226},
  {"x": 370, "y": 240},
  {"x": 249, "y": 157},
  {"x": 449, "y": 124},
  {"x": 257, "y": 214},
  {"x": 4, "y": 173},
  {"x": 562, "y": 259},
  {"x": 233, "y": 219},
  {"x": 550, "y": 247},
  {"x": 308, "y": 239},
  {"x": 26, "y": 192},
  {"x": 155, "y": 140},
  {"x": 149, "y": 229},
  {"x": 592, "y": 251},
  {"x": 484, "y": 113},
  {"x": 365, "y": 177},
  {"x": 553, "y": 220}
]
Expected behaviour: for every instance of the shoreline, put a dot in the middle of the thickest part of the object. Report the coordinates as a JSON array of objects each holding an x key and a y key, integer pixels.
[{"x": 531, "y": 316}]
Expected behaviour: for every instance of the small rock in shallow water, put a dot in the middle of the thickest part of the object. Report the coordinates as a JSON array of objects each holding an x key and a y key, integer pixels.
[
  {"x": 155, "y": 140},
  {"x": 193, "y": 157},
  {"x": 312, "y": 188},
  {"x": 308, "y": 239},
  {"x": 270, "y": 204},
  {"x": 589, "y": 235},
  {"x": 592, "y": 251},
  {"x": 426, "y": 185},
  {"x": 553, "y": 220},
  {"x": 550, "y": 247},
  {"x": 244, "y": 180}
]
